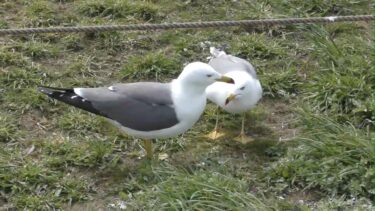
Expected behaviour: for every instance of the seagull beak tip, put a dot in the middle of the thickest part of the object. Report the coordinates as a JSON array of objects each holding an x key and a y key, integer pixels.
[{"x": 226, "y": 79}]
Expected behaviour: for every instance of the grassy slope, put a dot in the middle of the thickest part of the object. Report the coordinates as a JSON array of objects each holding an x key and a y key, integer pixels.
[{"x": 317, "y": 94}]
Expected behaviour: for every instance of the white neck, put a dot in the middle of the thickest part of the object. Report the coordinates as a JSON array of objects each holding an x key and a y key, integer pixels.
[
  {"x": 189, "y": 89},
  {"x": 190, "y": 98}
]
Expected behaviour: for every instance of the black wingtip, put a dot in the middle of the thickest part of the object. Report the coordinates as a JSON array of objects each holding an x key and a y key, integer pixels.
[
  {"x": 68, "y": 96},
  {"x": 50, "y": 90},
  {"x": 44, "y": 90}
]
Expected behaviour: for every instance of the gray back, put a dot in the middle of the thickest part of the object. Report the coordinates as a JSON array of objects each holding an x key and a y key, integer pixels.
[
  {"x": 227, "y": 63},
  {"x": 143, "y": 106}
]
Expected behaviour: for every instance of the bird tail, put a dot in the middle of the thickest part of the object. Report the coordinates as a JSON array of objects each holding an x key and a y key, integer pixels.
[
  {"x": 68, "y": 96},
  {"x": 215, "y": 52}
]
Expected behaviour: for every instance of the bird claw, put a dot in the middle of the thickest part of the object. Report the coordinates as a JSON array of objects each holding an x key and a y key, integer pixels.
[
  {"x": 215, "y": 135},
  {"x": 244, "y": 139}
]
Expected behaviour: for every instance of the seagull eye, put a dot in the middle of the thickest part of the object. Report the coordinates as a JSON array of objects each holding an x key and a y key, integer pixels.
[
  {"x": 209, "y": 75},
  {"x": 242, "y": 88}
]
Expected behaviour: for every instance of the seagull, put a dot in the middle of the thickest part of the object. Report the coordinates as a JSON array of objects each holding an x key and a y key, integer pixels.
[
  {"x": 147, "y": 110},
  {"x": 233, "y": 98}
]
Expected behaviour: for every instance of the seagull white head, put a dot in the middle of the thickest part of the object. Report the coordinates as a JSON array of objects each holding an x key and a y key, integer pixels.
[
  {"x": 202, "y": 74},
  {"x": 239, "y": 90},
  {"x": 242, "y": 87}
]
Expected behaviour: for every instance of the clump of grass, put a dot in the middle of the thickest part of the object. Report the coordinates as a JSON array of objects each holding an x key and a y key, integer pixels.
[
  {"x": 73, "y": 42},
  {"x": 150, "y": 66},
  {"x": 286, "y": 82},
  {"x": 119, "y": 9},
  {"x": 32, "y": 185},
  {"x": 319, "y": 7},
  {"x": 111, "y": 41},
  {"x": 82, "y": 152},
  {"x": 8, "y": 58},
  {"x": 22, "y": 100},
  {"x": 3, "y": 24},
  {"x": 62, "y": 190},
  {"x": 343, "y": 204},
  {"x": 81, "y": 65},
  {"x": 201, "y": 190},
  {"x": 19, "y": 86},
  {"x": 8, "y": 128},
  {"x": 38, "y": 50},
  {"x": 41, "y": 14},
  {"x": 332, "y": 158},
  {"x": 76, "y": 121},
  {"x": 17, "y": 78},
  {"x": 259, "y": 47},
  {"x": 342, "y": 86},
  {"x": 34, "y": 49}
]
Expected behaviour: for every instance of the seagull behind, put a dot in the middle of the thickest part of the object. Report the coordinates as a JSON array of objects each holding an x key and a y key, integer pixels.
[{"x": 239, "y": 97}]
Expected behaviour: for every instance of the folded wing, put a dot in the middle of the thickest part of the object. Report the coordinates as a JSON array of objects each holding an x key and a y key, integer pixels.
[{"x": 142, "y": 106}]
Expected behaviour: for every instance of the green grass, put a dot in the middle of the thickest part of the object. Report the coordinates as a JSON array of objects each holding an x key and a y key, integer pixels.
[
  {"x": 202, "y": 190},
  {"x": 8, "y": 128},
  {"x": 320, "y": 157},
  {"x": 119, "y": 9},
  {"x": 154, "y": 66},
  {"x": 332, "y": 158}
]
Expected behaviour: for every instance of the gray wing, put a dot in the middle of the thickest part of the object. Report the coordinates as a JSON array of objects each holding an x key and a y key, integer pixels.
[
  {"x": 224, "y": 63},
  {"x": 144, "y": 106}
]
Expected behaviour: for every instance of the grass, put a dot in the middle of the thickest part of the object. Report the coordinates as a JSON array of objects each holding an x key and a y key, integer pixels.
[
  {"x": 312, "y": 148},
  {"x": 202, "y": 190},
  {"x": 119, "y": 9},
  {"x": 345, "y": 156},
  {"x": 153, "y": 65}
]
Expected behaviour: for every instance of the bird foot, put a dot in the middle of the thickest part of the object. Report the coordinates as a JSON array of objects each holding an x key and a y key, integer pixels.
[
  {"x": 214, "y": 135},
  {"x": 244, "y": 139}
]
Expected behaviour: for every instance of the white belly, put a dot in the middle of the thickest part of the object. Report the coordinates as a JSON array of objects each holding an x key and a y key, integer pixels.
[{"x": 164, "y": 133}]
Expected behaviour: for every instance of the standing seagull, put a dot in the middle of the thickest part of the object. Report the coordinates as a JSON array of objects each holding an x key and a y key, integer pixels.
[
  {"x": 233, "y": 98},
  {"x": 147, "y": 110}
]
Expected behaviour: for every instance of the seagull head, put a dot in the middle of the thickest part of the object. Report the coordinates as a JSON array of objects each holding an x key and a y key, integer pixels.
[
  {"x": 200, "y": 74},
  {"x": 242, "y": 87}
]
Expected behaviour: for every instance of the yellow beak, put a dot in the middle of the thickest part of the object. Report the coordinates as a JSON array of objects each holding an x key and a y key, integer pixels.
[
  {"x": 226, "y": 79},
  {"x": 230, "y": 98}
]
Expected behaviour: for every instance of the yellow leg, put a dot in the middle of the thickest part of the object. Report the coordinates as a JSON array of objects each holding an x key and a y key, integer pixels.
[
  {"x": 243, "y": 138},
  {"x": 242, "y": 134},
  {"x": 215, "y": 133},
  {"x": 148, "y": 147}
]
